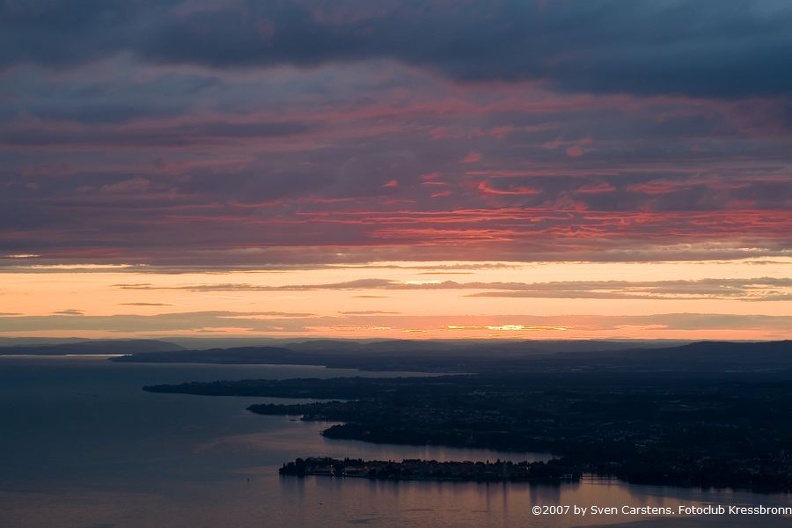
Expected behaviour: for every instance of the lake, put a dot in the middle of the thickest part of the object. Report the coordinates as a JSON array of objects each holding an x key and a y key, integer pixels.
[{"x": 83, "y": 446}]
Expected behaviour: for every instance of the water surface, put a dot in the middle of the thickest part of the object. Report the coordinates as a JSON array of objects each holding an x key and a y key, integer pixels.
[{"x": 82, "y": 445}]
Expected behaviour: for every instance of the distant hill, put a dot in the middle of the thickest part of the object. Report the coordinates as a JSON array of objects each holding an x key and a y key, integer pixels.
[
  {"x": 705, "y": 354},
  {"x": 90, "y": 347},
  {"x": 240, "y": 355},
  {"x": 19, "y": 341},
  {"x": 450, "y": 356},
  {"x": 533, "y": 356},
  {"x": 432, "y": 356}
]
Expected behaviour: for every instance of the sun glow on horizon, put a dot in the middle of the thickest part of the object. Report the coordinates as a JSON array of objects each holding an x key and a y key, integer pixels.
[{"x": 745, "y": 299}]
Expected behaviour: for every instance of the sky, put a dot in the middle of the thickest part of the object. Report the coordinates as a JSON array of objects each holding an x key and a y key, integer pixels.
[{"x": 600, "y": 169}]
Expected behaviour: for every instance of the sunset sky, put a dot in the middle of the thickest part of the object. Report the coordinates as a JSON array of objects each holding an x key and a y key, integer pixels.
[{"x": 396, "y": 168}]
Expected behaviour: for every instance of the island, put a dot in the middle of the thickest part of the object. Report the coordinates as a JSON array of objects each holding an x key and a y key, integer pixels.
[{"x": 554, "y": 471}]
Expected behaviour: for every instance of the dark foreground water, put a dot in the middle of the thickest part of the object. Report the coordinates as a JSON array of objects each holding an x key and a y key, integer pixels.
[{"x": 82, "y": 446}]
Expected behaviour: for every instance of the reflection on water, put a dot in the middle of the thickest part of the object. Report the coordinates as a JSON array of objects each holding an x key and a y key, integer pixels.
[{"x": 83, "y": 446}]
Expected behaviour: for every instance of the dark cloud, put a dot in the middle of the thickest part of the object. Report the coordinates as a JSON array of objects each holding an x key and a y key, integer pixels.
[
  {"x": 63, "y": 33},
  {"x": 179, "y": 135},
  {"x": 370, "y": 297},
  {"x": 144, "y": 304},
  {"x": 740, "y": 49},
  {"x": 70, "y": 312}
]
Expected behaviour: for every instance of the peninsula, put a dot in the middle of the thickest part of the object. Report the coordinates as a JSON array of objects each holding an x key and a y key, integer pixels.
[{"x": 690, "y": 420}]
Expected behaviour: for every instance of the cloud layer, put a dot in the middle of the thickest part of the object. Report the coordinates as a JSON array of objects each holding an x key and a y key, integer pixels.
[{"x": 229, "y": 133}]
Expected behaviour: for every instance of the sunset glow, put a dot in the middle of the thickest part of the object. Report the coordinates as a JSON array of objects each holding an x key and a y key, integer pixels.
[{"x": 742, "y": 299}]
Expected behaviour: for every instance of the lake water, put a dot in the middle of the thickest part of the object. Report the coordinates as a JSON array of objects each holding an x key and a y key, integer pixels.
[{"x": 81, "y": 445}]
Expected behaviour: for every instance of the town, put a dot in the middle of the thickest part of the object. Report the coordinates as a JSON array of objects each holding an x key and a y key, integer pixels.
[{"x": 413, "y": 469}]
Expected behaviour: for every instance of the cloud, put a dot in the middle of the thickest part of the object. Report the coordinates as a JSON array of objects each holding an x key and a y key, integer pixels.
[
  {"x": 616, "y": 46},
  {"x": 369, "y": 312},
  {"x": 231, "y": 134},
  {"x": 181, "y": 323},
  {"x": 753, "y": 289},
  {"x": 275, "y": 314},
  {"x": 175, "y": 136},
  {"x": 191, "y": 136},
  {"x": 446, "y": 273},
  {"x": 144, "y": 304},
  {"x": 471, "y": 157},
  {"x": 70, "y": 312},
  {"x": 511, "y": 189},
  {"x": 359, "y": 284}
]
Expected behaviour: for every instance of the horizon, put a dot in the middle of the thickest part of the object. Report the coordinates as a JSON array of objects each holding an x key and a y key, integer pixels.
[{"x": 520, "y": 170}]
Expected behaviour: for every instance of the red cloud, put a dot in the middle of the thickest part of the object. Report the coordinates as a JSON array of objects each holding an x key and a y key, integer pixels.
[
  {"x": 472, "y": 157},
  {"x": 485, "y": 188},
  {"x": 596, "y": 188}
]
